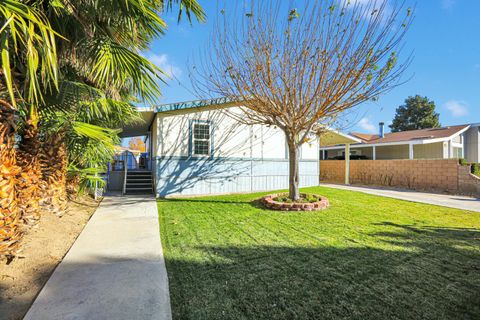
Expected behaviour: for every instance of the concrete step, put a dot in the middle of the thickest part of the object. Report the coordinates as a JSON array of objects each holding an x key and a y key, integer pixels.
[
  {"x": 139, "y": 173},
  {"x": 139, "y": 182},
  {"x": 145, "y": 185},
  {"x": 139, "y": 190},
  {"x": 139, "y": 179}
]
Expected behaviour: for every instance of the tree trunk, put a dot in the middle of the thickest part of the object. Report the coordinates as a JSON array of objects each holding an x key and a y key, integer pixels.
[
  {"x": 54, "y": 173},
  {"x": 10, "y": 223},
  {"x": 293, "y": 168},
  {"x": 73, "y": 183},
  {"x": 29, "y": 181}
]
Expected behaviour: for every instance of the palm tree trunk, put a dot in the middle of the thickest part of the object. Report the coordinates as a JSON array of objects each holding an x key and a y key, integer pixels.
[
  {"x": 54, "y": 173},
  {"x": 10, "y": 223},
  {"x": 29, "y": 180},
  {"x": 73, "y": 183}
]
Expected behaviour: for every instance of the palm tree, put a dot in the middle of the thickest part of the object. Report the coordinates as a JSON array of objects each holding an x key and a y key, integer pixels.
[
  {"x": 103, "y": 71},
  {"x": 28, "y": 57},
  {"x": 99, "y": 51},
  {"x": 81, "y": 136},
  {"x": 10, "y": 233}
]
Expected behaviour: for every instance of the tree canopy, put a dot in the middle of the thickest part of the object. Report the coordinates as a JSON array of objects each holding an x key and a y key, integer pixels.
[
  {"x": 417, "y": 113},
  {"x": 298, "y": 69}
]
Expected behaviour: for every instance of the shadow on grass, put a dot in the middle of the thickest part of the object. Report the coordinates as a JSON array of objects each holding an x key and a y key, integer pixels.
[
  {"x": 254, "y": 203},
  {"x": 193, "y": 200},
  {"x": 426, "y": 273},
  {"x": 209, "y": 200}
]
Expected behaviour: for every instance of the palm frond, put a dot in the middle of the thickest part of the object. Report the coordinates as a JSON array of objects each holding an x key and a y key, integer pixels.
[
  {"x": 114, "y": 65},
  {"x": 99, "y": 134},
  {"x": 90, "y": 105},
  {"x": 188, "y": 7},
  {"x": 26, "y": 36},
  {"x": 88, "y": 176}
]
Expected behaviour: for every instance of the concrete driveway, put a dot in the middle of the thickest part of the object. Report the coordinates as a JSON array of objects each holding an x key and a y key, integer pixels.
[
  {"x": 452, "y": 201},
  {"x": 115, "y": 269}
]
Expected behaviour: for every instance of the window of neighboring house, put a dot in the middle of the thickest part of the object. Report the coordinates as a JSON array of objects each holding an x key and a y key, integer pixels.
[
  {"x": 201, "y": 139},
  {"x": 457, "y": 152}
]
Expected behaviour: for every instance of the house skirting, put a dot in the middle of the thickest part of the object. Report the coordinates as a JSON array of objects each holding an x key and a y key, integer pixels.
[{"x": 198, "y": 176}]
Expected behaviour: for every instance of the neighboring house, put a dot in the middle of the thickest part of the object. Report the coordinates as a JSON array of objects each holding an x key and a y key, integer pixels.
[
  {"x": 202, "y": 147},
  {"x": 461, "y": 141},
  {"x": 472, "y": 143}
]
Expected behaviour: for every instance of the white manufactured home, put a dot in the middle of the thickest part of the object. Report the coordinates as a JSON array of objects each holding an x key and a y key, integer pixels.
[{"x": 202, "y": 147}]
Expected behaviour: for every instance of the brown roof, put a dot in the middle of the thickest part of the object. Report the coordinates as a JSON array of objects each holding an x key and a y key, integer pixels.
[{"x": 422, "y": 134}]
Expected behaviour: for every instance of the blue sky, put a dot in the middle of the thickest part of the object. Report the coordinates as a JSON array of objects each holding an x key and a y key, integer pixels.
[{"x": 446, "y": 67}]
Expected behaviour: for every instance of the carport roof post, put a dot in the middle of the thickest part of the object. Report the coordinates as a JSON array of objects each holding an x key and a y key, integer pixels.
[
  {"x": 330, "y": 137},
  {"x": 347, "y": 163}
]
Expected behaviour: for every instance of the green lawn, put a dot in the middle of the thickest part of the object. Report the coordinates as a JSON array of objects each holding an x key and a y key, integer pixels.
[{"x": 366, "y": 257}]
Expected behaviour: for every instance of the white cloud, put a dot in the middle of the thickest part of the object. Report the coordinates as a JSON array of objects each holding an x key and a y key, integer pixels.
[
  {"x": 447, "y": 4},
  {"x": 360, "y": 2},
  {"x": 372, "y": 5},
  {"x": 366, "y": 125},
  {"x": 162, "y": 61},
  {"x": 456, "y": 108}
]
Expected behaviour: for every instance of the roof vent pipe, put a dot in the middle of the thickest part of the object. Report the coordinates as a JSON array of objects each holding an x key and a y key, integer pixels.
[{"x": 381, "y": 132}]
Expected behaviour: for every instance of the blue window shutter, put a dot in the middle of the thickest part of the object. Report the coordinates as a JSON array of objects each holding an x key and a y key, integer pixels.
[
  {"x": 190, "y": 138},
  {"x": 211, "y": 138}
]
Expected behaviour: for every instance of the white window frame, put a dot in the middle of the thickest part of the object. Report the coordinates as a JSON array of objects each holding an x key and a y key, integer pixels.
[{"x": 208, "y": 140}]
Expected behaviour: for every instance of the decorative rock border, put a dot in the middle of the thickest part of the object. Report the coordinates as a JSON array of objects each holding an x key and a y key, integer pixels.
[{"x": 294, "y": 206}]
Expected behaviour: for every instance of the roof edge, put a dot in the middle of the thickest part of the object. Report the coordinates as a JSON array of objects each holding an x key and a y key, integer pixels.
[{"x": 193, "y": 104}]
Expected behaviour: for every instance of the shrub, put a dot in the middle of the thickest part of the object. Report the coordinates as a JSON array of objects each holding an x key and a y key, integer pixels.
[
  {"x": 463, "y": 162},
  {"x": 476, "y": 169},
  {"x": 304, "y": 198}
]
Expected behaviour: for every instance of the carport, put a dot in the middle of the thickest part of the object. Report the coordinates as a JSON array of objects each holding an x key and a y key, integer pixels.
[{"x": 329, "y": 137}]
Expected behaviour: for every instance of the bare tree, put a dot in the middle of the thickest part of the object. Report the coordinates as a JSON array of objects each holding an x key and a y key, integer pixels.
[{"x": 298, "y": 69}]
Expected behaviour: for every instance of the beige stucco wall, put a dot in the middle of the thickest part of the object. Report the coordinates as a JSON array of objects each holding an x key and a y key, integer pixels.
[
  {"x": 392, "y": 152},
  {"x": 428, "y": 151},
  {"x": 437, "y": 150}
]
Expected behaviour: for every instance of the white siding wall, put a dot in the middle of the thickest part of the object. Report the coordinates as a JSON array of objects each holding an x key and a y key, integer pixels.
[
  {"x": 472, "y": 144},
  {"x": 246, "y": 158},
  {"x": 231, "y": 138}
]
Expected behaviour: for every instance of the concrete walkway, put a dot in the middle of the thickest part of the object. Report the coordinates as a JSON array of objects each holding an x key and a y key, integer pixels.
[
  {"x": 115, "y": 269},
  {"x": 458, "y": 202}
]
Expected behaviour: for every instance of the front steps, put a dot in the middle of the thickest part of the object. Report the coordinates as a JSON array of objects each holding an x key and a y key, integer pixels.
[{"x": 139, "y": 182}]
